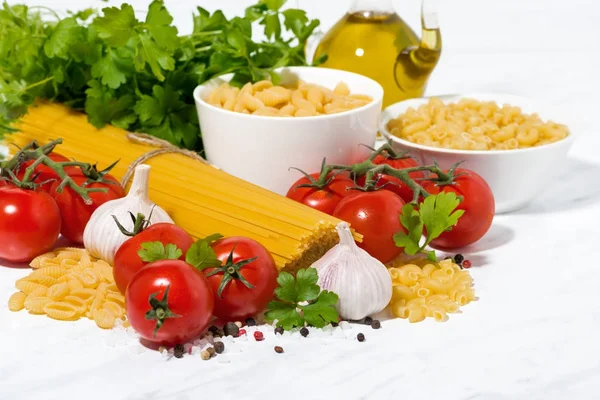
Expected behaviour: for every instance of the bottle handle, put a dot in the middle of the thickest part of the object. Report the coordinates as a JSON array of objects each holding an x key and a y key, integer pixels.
[
  {"x": 429, "y": 14},
  {"x": 311, "y": 45}
]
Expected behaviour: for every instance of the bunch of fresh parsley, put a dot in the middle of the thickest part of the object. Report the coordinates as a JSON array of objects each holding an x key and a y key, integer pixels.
[{"x": 139, "y": 74}]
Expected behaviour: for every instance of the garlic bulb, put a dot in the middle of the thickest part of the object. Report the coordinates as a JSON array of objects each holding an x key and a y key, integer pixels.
[
  {"x": 363, "y": 283},
  {"x": 101, "y": 237}
]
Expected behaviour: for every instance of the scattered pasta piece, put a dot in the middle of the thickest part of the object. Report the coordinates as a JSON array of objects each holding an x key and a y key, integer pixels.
[
  {"x": 68, "y": 284},
  {"x": 474, "y": 125},
  {"x": 429, "y": 290},
  {"x": 306, "y": 100}
]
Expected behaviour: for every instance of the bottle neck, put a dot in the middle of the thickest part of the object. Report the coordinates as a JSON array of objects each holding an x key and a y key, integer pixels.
[{"x": 376, "y": 6}]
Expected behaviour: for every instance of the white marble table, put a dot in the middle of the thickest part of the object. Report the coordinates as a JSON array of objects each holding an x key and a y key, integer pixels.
[{"x": 533, "y": 334}]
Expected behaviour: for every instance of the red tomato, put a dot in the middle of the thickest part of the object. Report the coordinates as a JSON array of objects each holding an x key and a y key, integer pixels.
[
  {"x": 325, "y": 199},
  {"x": 44, "y": 172},
  {"x": 375, "y": 215},
  {"x": 237, "y": 302},
  {"x": 127, "y": 260},
  {"x": 189, "y": 300},
  {"x": 74, "y": 212},
  {"x": 391, "y": 183},
  {"x": 29, "y": 223},
  {"x": 479, "y": 206}
]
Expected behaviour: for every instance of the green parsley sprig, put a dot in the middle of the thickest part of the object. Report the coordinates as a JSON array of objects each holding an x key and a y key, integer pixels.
[
  {"x": 301, "y": 301},
  {"x": 437, "y": 214},
  {"x": 139, "y": 74}
]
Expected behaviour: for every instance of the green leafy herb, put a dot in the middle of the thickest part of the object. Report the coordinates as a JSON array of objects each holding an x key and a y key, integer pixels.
[
  {"x": 201, "y": 255},
  {"x": 436, "y": 214},
  {"x": 291, "y": 309},
  {"x": 155, "y": 251},
  {"x": 139, "y": 74}
]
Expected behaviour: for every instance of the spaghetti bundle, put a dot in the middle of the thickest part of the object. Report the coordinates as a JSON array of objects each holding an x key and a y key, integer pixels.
[{"x": 200, "y": 198}]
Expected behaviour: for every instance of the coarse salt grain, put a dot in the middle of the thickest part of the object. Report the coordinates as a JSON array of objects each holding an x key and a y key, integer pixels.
[
  {"x": 345, "y": 325},
  {"x": 223, "y": 359}
]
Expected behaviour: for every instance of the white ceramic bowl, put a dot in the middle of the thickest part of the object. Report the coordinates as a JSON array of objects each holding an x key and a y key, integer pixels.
[
  {"x": 515, "y": 176},
  {"x": 262, "y": 149}
]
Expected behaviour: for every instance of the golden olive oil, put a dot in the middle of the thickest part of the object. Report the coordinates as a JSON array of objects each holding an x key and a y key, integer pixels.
[{"x": 382, "y": 46}]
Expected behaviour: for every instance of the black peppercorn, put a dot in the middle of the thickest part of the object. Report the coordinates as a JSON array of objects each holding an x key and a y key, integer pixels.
[
  {"x": 215, "y": 331},
  {"x": 250, "y": 322},
  {"x": 375, "y": 324},
  {"x": 360, "y": 337},
  {"x": 334, "y": 324},
  {"x": 231, "y": 329},
  {"x": 304, "y": 331},
  {"x": 178, "y": 351},
  {"x": 279, "y": 330},
  {"x": 278, "y": 349},
  {"x": 458, "y": 258},
  {"x": 368, "y": 320},
  {"x": 219, "y": 347}
]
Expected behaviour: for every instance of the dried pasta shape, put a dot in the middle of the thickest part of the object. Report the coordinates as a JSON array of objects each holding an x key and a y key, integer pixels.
[
  {"x": 35, "y": 304},
  {"x": 27, "y": 286},
  {"x": 16, "y": 302},
  {"x": 58, "y": 291},
  {"x": 42, "y": 280},
  {"x": 104, "y": 318},
  {"x": 52, "y": 271},
  {"x": 61, "y": 310},
  {"x": 78, "y": 303}
]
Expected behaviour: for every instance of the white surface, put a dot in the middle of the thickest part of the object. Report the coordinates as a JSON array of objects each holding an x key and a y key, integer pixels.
[
  {"x": 533, "y": 335},
  {"x": 515, "y": 176},
  {"x": 262, "y": 149}
]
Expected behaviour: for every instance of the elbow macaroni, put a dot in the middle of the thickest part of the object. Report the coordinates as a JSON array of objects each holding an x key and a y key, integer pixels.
[
  {"x": 432, "y": 291},
  {"x": 474, "y": 125},
  {"x": 307, "y": 100},
  {"x": 68, "y": 284}
]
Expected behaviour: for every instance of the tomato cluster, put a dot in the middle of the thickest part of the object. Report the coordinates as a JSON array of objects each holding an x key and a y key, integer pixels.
[
  {"x": 32, "y": 219},
  {"x": 375, "y": 213},
  {"x": 237, "y": 280}
]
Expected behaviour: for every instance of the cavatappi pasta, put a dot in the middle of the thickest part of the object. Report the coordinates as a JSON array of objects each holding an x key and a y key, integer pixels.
[
  {"x": 306, "y": 100},
  {"x": 430, "y": 291},
  {"x": 67, "y": 284},
  {"x": 474, "y": 125}
]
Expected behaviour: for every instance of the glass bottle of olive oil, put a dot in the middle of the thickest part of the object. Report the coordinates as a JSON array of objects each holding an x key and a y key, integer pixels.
[{"x": 372, "y": 40}]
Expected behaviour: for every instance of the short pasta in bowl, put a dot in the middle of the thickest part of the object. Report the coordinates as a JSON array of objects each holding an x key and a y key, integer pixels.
[
  {"x": 513, "y": 142},
  {"x": 257, "y": 131}
]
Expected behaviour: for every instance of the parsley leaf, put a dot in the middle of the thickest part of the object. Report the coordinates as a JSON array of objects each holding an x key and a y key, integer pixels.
[
  {"x": 65, "y": 34},
  {"x": 201, "y": 255},
  {"x": 437, "y": 214},
  {"x": 291, "y": 309},
  {"x": 117, "y": 25},
  {"x": 155, "y": 251}
]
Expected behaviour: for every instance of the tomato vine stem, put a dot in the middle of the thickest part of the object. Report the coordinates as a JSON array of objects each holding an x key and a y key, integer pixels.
[{"x": 371, "y": 171}]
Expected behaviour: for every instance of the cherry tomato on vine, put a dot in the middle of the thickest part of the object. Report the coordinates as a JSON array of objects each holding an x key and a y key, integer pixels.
[
  {"x": 127, "y": 260},
  {"x": 391, "y": 183},
  {"x": 74, "y": 212},
  {"x": 245, "y": 282},
  {"x": 29, "y": 223},
  {"x": 375, "y": 215},
  {"x": 325, "y": 199},
  {"x": 169, "y": 302},
  {"x": 44, "y": 173},
  {"x": 479, "y": 206}
]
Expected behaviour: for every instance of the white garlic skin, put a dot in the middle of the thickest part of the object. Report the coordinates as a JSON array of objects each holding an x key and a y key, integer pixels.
[
  {"x": 362, "y": 283},
  {"x": 101, "y": 236}
]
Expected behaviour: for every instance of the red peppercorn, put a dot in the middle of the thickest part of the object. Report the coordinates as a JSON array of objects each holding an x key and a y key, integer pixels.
[
  {"x": 258, "y": 335},
  {"x": 241, "y": 332},
  {"x": 466, "y": 264}
]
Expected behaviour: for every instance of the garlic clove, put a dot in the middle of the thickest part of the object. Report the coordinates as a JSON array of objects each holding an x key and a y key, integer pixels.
[
  {"x": 362, "y": 283},
  {"x": 101, "y": 236}
]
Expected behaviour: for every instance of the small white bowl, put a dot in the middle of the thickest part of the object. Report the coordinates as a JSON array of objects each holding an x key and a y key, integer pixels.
[
  {"x": 515, "y": 176},
  {"x": 261, "y": 149}
]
